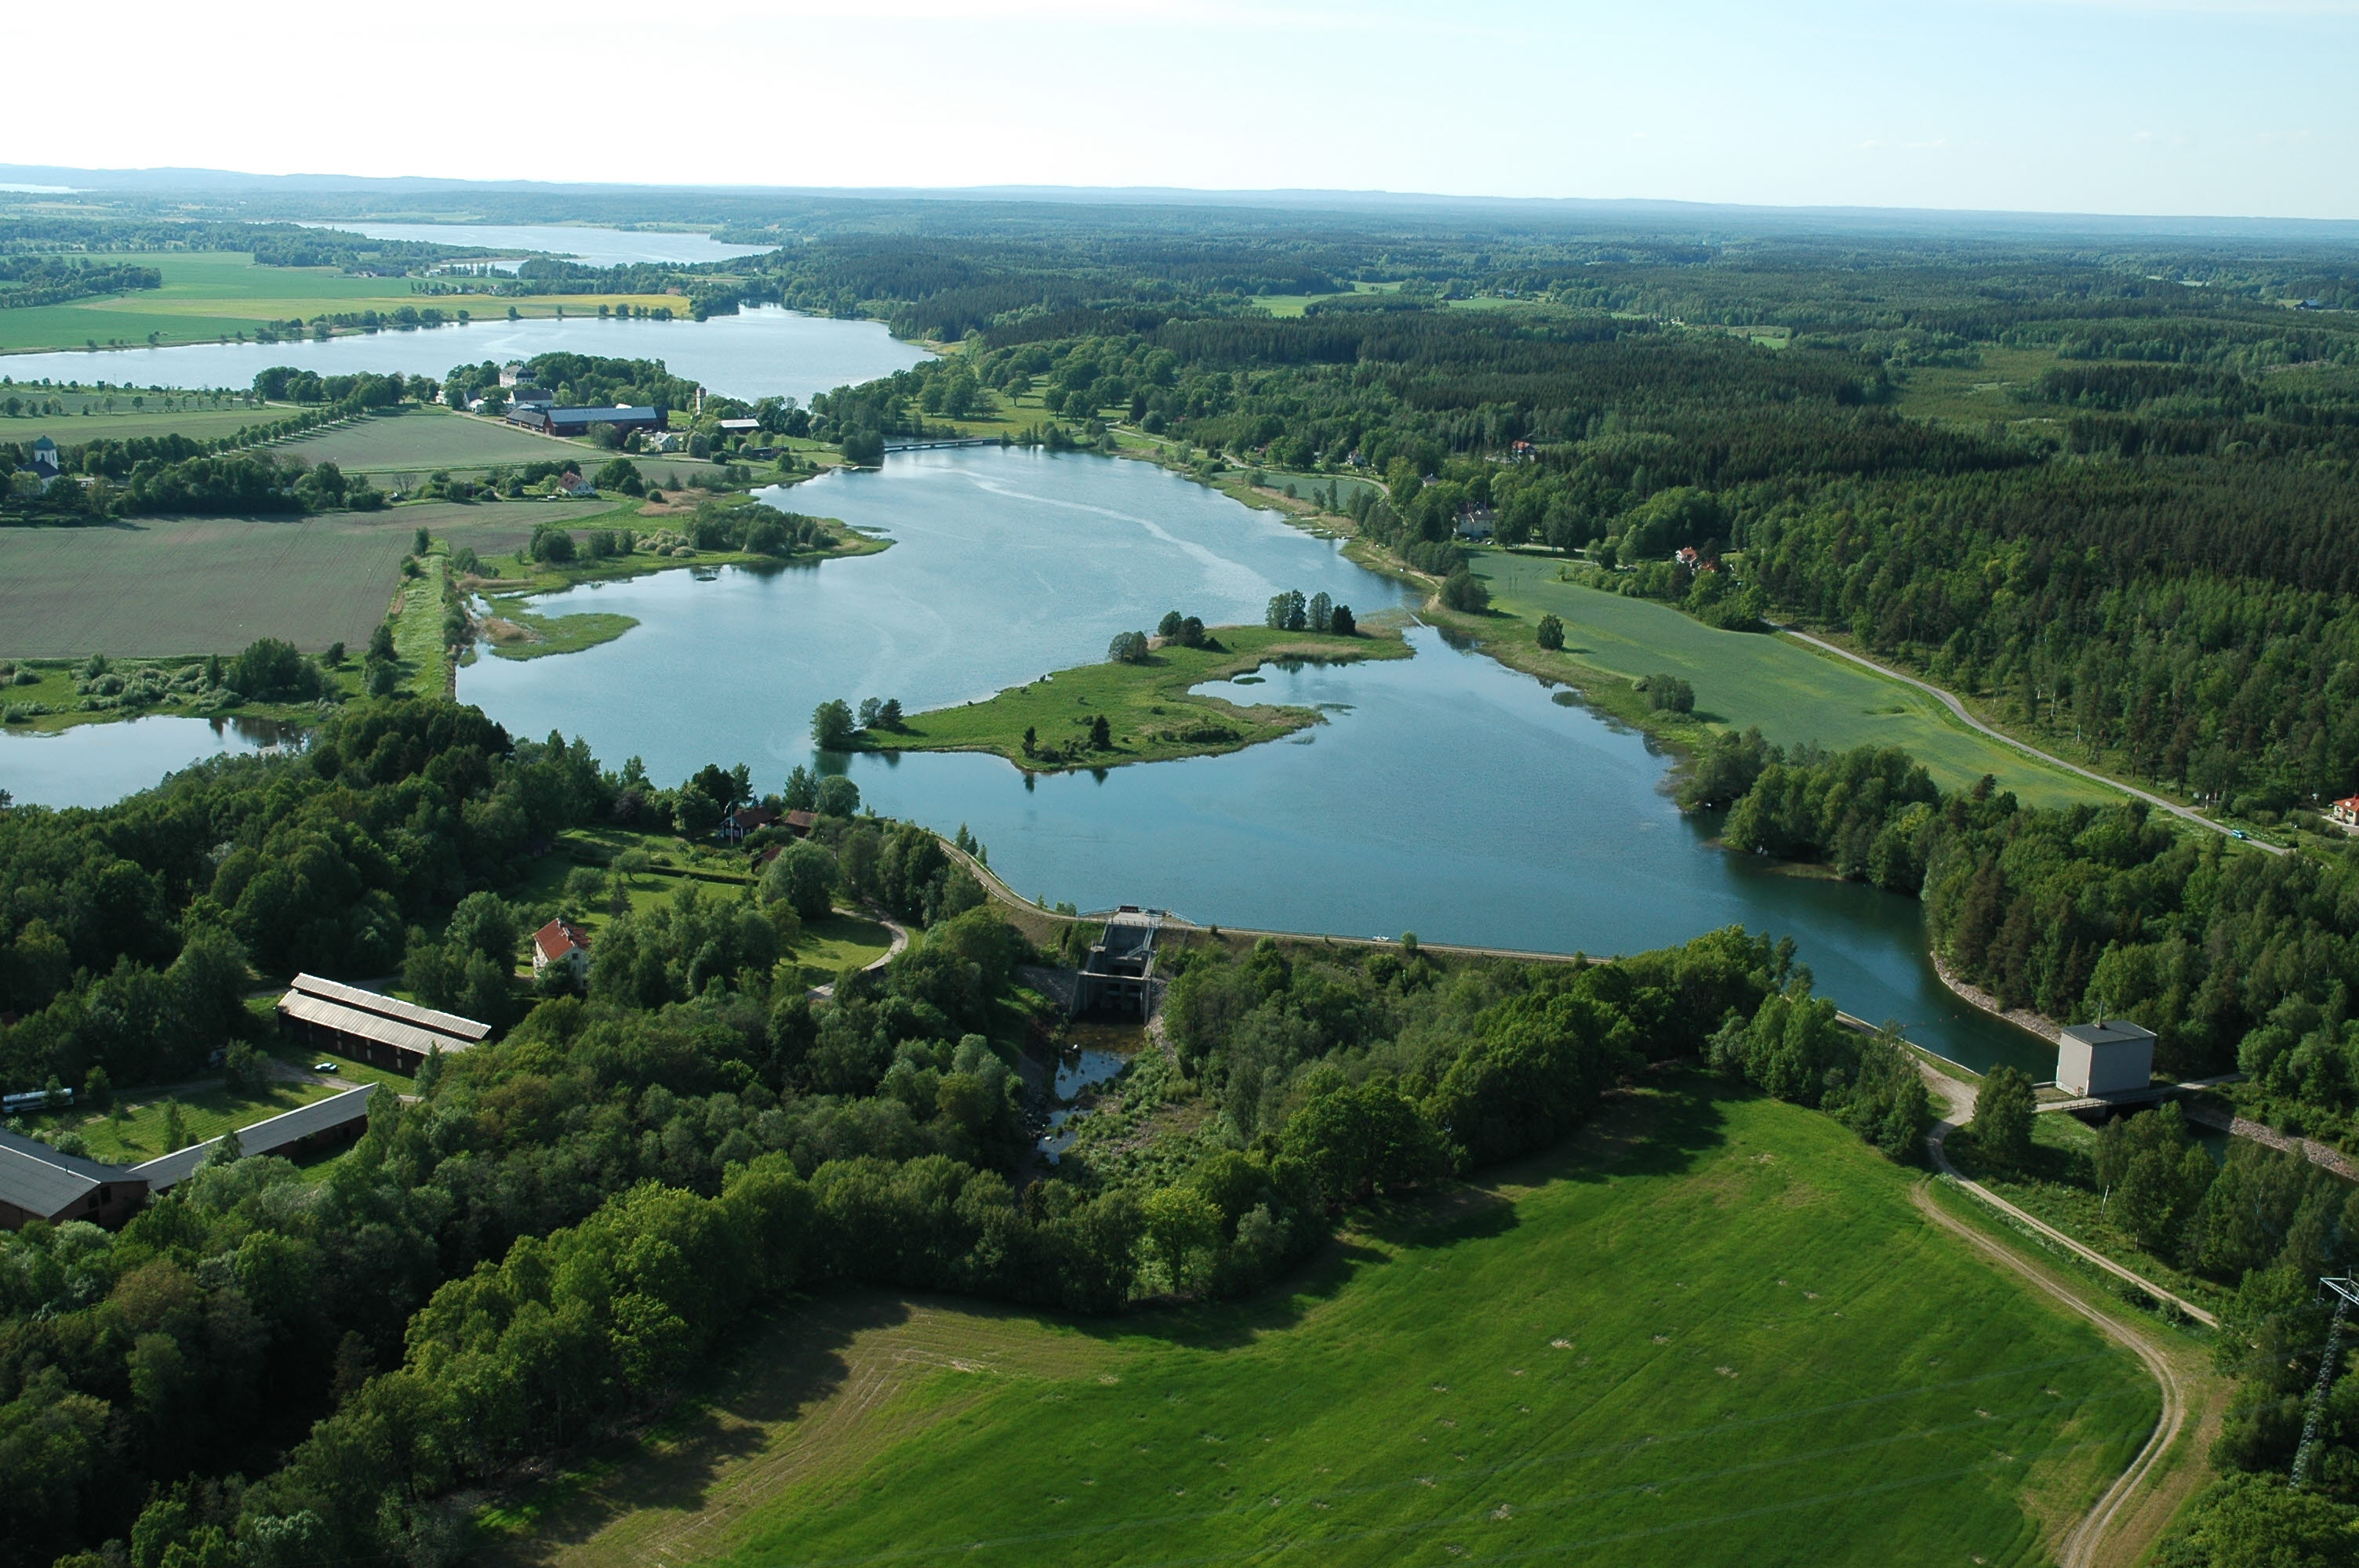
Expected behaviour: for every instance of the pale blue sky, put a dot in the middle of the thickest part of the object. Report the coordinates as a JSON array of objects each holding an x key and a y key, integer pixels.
[{"x": 2148, "y": 106}]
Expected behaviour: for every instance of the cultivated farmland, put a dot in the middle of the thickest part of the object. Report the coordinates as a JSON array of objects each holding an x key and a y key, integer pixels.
[
  {"x": 1712, "y": 1331},
  {"x": 162, "y": 586},
  {"x": 424, "y": 439}
]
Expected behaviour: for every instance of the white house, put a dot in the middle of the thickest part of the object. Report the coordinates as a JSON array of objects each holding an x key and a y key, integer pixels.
[
  {"x": 2111, "y": 1057},
  {"x": 2343, "y": 813},
  {"x": 561, "y": 942}
]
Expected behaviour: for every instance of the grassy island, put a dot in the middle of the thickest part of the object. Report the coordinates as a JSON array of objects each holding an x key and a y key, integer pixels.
[{"x": 1150, "y": 713}]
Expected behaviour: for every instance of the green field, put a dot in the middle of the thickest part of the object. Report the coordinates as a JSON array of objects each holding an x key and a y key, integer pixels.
[
  {"x": 1741, "y": 679},
  {"x": 197, "y": 423},
  {"x": 207, "y": 1110},
  {"x": 420, "y": 440},
  {"x": 213, "y": 294},
  {"x": 1148, "y": 708},
  {"x": 841, "y": 941},
  {"x": 1714, "y": 1331},
  {"x": 165, "y": 586}
]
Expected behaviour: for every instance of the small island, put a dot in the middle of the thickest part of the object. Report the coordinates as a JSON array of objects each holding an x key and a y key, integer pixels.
[{"x": 1137, "y": 706}]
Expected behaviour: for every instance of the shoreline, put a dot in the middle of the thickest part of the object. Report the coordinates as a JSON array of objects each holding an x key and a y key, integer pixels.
[{"x": 1974, "y": 996}]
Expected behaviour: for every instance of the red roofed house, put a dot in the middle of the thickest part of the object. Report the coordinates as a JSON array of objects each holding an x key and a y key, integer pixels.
[
  {"x": 744, "y": 821},
  {"x": 561, "y": 942},
  {"x": 2344, "y": 812}
]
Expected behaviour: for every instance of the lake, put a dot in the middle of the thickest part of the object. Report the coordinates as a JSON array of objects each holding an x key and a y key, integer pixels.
[
  {"x": 762, "y": 351},
  {"x": 591, "y": 246},
  {"x": 91, "y": 764},
  {"x": 1446, "y": 794}
]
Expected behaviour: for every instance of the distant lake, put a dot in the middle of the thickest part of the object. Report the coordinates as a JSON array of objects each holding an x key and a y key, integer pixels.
[
  {"x": 591, "y": 246},
  {"x": 764, "y": 352}
]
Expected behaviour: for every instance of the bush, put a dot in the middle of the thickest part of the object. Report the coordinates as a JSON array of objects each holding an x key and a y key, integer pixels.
[
  {"x": 1668, "y": 694},
  {"x": 1551, "y": 633},
  {"x": 1464, "y": 591},
  {"x": 1127, "y": 648}
]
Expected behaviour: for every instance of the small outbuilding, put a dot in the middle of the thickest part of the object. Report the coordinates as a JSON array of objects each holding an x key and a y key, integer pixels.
[{"x": 2111, "y": 1057}]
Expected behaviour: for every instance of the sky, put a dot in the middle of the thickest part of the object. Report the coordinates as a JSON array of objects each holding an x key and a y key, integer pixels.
[{"x": 2168, "y": 107}]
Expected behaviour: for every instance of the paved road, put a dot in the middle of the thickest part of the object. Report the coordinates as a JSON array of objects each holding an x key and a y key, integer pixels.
[{"x": 1954, "y": 706}]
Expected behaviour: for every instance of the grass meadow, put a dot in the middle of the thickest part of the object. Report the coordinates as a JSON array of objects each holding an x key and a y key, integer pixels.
[
  {"x": 1713, "y": 1330},
  {"x": 197, "y": 423},
  {"x": 207, "y": 1110},
  {"x": 1977, "y": 395},
  {"x": 159, "y": 587},
  {"x": 1794, "y": 694}
]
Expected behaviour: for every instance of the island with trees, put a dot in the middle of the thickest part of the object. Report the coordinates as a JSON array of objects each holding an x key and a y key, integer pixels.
[{"x": 1141, "y": 704}]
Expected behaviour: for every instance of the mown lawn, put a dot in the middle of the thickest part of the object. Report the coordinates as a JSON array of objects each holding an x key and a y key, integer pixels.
[
  {"x": 1714, "y": 1331},
  {"x": 1742, "y": 680},
  {"x": 207, "y": 1110},
  {"x": 1150, "y": 713}
]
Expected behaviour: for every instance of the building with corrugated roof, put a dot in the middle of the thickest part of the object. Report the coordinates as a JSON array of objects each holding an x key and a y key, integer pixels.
[
  {"x": 37, "y": 1182},
  {"x": 369, "y": 1026}
]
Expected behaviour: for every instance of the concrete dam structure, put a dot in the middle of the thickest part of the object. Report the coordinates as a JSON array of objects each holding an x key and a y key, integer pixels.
[{"x": 1118, "y": 978}]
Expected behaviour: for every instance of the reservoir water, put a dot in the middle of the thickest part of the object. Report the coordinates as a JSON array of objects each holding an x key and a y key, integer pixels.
[
  {"x": 762, "y": 351},
  {"x": 1445, "y": 794}
]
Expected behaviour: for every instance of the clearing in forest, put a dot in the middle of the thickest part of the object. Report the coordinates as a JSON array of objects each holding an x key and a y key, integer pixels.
[{"x": 1713, "y": 1330}]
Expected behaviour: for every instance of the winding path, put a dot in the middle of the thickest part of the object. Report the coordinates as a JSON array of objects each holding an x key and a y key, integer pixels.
[
  {"x": 893, "y": 950},
  {"x": 2080, "y": 1545},
  {"x": 1958, "y": 1103},
  {"x": 1959, "y": 709}
]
